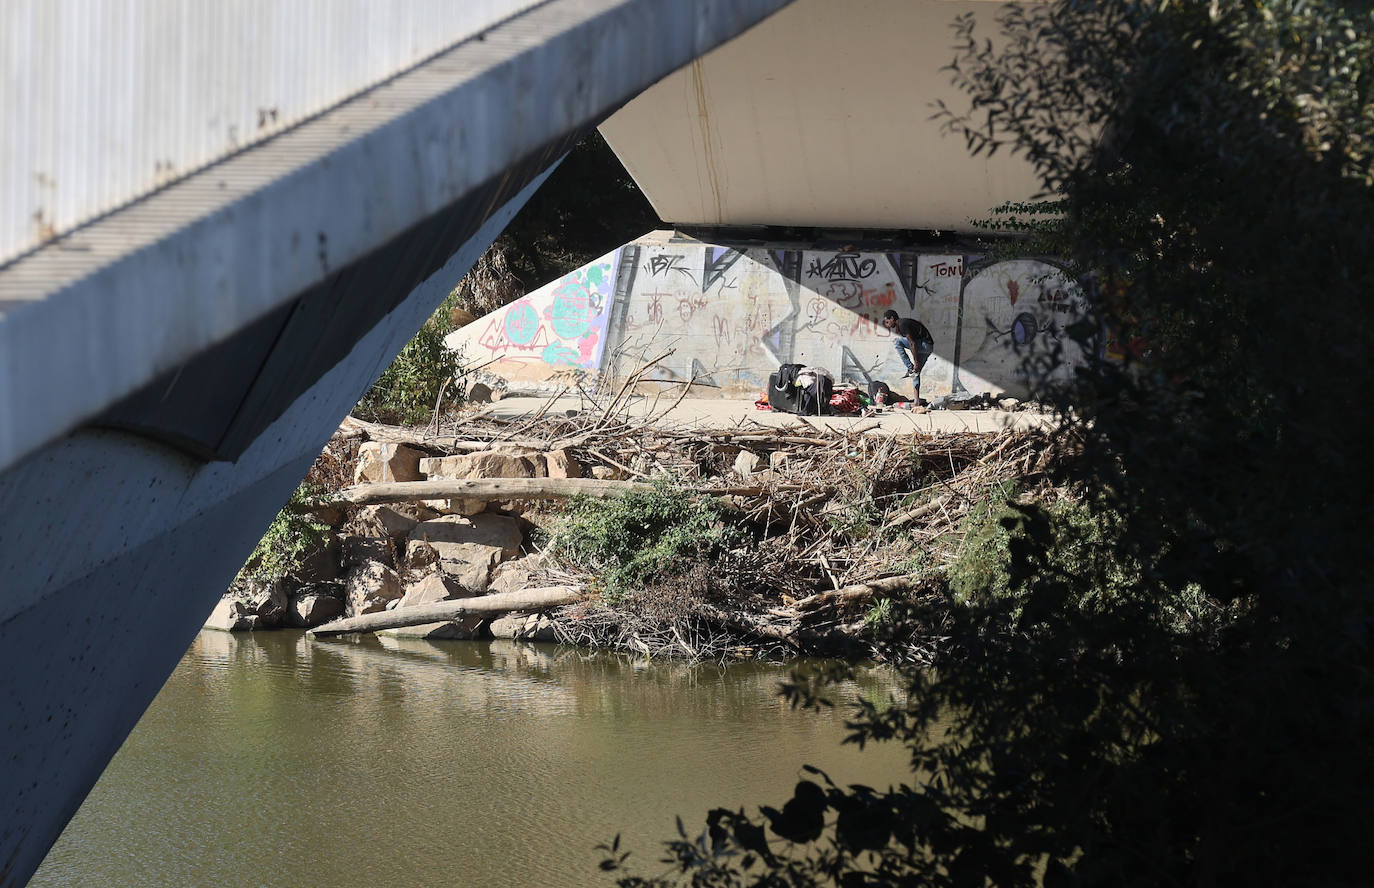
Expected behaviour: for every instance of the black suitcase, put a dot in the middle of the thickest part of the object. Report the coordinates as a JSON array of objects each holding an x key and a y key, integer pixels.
[{"x": 787, "y": 399}]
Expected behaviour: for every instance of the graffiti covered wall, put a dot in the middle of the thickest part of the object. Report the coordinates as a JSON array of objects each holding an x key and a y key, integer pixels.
[
  {"x": 730, "y": 315},
  {"x": 560, "y": 327}
]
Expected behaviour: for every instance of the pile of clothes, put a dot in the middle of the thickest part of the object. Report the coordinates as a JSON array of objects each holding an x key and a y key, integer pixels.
[{"x": 811, "y": 391}]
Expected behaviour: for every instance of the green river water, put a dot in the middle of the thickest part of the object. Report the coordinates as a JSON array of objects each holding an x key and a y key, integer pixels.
[{"x": 275, "y": 760}]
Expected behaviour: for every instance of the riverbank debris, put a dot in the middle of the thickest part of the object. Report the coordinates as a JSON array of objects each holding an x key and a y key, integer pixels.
[{"x": 841, "y": 519}]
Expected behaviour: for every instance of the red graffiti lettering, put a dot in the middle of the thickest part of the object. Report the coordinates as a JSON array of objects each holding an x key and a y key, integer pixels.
[
  {"x": 654, "y": 310},
  {"x": 881, "y": 298}
]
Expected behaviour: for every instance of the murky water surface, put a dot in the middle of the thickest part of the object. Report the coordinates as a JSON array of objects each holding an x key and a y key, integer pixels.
[{"x": 276, "y": 760}]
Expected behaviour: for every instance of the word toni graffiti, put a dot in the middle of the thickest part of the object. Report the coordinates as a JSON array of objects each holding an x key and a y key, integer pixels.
[
  {"x": 852, "y": 294},
  {"x": 947, "y": 269}
]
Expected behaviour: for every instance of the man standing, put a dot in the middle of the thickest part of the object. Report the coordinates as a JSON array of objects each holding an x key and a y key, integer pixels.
[{"x": 911, "y": 335}]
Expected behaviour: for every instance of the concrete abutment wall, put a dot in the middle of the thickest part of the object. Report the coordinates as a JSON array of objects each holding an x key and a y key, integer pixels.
[{"x": 731, "y": 312}]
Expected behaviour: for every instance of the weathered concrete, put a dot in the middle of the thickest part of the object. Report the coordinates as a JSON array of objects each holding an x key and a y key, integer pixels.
[
  {"x": 93, "y": 120},
  {"x": 129, "y": 300},
  {"x": 732, "y": 311},
  {"x": 819, "y": 117},
  {"x": 181, "y": 362}
]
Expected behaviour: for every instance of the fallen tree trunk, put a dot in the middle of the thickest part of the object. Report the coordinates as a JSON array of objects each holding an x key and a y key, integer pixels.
[
  {"x": 443, "y": 611},
  {"x": 492, "y": 489},
  {"x": 859, "y": 592}
]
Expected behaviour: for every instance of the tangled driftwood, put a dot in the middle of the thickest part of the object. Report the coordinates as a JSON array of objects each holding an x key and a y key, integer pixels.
[{"x": 844, "y": 516}]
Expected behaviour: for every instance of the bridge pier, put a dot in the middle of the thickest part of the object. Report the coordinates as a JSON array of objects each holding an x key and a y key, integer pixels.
[{"x": 169, "y": 372}]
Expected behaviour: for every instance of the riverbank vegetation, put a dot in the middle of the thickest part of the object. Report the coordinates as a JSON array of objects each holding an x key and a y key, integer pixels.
[
  {"x": 1167, "y": 681},
  {"x": 756, "y": 541}
]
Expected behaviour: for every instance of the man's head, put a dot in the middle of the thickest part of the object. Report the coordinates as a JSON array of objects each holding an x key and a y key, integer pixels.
[{"x": 889, "y": 319}]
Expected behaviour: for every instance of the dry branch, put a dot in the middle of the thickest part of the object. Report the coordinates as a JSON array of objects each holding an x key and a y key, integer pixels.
[{"x": 496, "y": 489}]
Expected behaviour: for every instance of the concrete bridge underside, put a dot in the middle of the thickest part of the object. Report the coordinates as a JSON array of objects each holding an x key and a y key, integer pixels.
[{"x": 169, "y": 371}]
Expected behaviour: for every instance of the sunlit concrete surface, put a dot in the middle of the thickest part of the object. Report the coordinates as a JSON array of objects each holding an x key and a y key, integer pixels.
[
  {"x": 169, "y": 371},
  {"x": 665, "y": 411},
  {"x": 821, "y": 116}
]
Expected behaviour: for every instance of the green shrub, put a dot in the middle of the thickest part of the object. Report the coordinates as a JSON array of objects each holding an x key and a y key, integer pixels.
[
  {"x": 292, "y": 536},
  {"x": 1083, "y": 553},
  {"x": 408, "y": 389},
  {"x": 984, "y": 559},
  {"x": 647, "y": 536}
]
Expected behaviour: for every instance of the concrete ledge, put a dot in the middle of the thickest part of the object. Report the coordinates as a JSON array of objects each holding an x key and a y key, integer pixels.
[
  {"x": 720, "y": 413},
  {"x": 102, "y": 312}
]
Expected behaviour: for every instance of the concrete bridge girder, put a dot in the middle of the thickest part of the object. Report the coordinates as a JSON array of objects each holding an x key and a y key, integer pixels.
[
  {"x": 168, "y": 373},
  {"x": 821, "y": 117}
]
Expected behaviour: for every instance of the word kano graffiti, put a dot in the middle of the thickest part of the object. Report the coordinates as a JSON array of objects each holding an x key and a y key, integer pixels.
[
  {"x": 561, "y": 325},
  {"x": 730, "y": 315}
]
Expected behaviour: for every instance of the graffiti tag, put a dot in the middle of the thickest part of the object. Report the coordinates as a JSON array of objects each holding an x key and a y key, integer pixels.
[
  {"x": 843, "y": 267},
  {"x": 852, "y": 294},
  {"x": 1057, "y": 301},
  {"x": 687, "y": 306},
  {"x": 664, "y": 263},
  {"x": 722, "y": 331},
  {"x": 654, "y": 310}
]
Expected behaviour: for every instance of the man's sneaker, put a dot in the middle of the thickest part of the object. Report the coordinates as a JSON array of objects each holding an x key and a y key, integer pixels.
[{"x": 908, "y": 373}]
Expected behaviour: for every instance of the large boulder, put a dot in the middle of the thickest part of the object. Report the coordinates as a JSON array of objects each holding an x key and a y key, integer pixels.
[
  {"x": 320, "y": 565},
  {"x": 450, "y": 631},
  {"x": 420, "y": 555},
  {"x": 365, "y": 549},
  {"x": 378, "y": 461},
  {"x": 445, "y": 467},
  {"x": 456, "y": 538},
  {"x": 512, "y": 576},
  {"x": 435, "y": 587},
  {"x": 478, "y": 393},
  {"x": 505, "y": 463},
  {"x": 268, "y": 601},
  {"x": 388, "y": 520},
  {"x": 369, "y": 587},
  {"x": 536, "y": 458},
  {"x": 232, "y": 615},
  {"x": 474, "y": 578},
  {"x": 560, "y": 464},
  {"x": 523, "y": 626},
  {"x": 432, "y": 587},
  {"x": 313, "y": 607},
  {"x": 501, "y": 461}
]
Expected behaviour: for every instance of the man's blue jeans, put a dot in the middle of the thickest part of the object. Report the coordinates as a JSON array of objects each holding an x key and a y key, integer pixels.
[{"x": 922, "y": 350}]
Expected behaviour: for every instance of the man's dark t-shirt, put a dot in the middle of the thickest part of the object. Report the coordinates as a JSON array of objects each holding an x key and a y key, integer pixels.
[{"x": 913, "y": 330}]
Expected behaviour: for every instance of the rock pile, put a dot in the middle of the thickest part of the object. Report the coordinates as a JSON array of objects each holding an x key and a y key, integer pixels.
[{"x": 382, "y": 557}]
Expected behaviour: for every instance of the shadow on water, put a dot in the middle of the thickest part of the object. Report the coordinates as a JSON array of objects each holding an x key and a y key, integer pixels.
[{"x": 276, "y": 759}]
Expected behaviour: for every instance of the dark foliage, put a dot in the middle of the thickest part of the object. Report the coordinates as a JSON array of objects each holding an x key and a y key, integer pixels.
[
  {"x": 588, "y": 206},
  {"x": 1207, "y": 716}
]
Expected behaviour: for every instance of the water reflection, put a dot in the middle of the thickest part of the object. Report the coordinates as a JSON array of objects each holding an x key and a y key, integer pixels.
[{"x": 276, "y": 759}]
